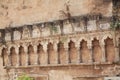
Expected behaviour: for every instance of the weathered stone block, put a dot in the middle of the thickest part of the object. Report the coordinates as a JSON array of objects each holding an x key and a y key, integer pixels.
[
  {"x": 45, "y": 31},
  {"x": 8, "y": 37},
  {"x": 17, "y": 35},
  {"x": 67, "y": 28},
  {"x": 35, "y": 32},
  {"x": 105, "y": 26},
  {"x": 91, "y": 26}
]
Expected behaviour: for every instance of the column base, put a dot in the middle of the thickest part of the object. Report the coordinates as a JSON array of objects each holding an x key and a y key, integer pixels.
[
  {"x": 36, "y": 63},
  {"x": 91, "y": 61},
  {"x": 103, "y": 60}
]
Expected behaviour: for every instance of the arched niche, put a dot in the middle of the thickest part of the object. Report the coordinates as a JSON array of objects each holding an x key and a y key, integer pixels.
[
  {"x": 22, "y": 56},
  {"x": 110, "y": 50},
  {"x": 61, "y": 53},
  {"x": 31, "y": 55},
  {"x": 5, "y": 57},
  {"x": 97, "y": 52},
  {"x": 42, "y": 55},
  {"x": 13, "y": 56},
  {"x": 51, "y": 54},
  {"x": 40, "y": 51},
  {"x": 35, "y": 32},
  {"x": 84, "y": 51},
  {"x": 72, "y": 52}
]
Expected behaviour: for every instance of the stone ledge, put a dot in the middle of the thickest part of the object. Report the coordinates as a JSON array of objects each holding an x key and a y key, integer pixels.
[{"x": 58, "y": 65}]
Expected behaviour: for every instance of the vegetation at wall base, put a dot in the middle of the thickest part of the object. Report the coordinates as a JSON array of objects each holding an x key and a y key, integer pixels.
[{"x": 24, "y": 77}]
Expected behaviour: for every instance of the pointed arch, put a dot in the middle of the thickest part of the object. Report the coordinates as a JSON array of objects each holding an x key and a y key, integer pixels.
[
  {"x": 40, "y": 52},
  {"x": 22, "y": 56},
  {"x": 51, "y": 53},
  {"x": 97, "y": 52},
  {"x": 4, "y": 56},
  {"x": 13, "y": 56},
  {"x": 72, "y": 52},
  {"x": 31, "y": 55},
  {"x": 84, "y": 51},
  {"x": 61, "y": 53},
  {"x": 110, "y": 50}
]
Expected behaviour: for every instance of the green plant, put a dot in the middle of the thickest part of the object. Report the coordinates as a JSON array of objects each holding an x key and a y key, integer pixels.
[
  {"x": 115, "y": 25},
  {"x": 53, "y": 28},
  {"x": 24, "y": 77}
]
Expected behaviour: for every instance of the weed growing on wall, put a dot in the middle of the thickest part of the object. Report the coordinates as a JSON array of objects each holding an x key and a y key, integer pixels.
[{"x": 24, "y": 77}]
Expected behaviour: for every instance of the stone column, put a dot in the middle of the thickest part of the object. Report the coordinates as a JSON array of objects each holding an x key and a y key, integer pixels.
[
  {"x": 67, "y": 53},
  {"x": 9, "y": 58},
  {"x": 91, "y": 52},
  {"x": 103, "y": 52},
  {"x": 46, "y": 60},
  {"x": 36, "y": 54},
  {"x": 56, "y": 53},
  {"x": 18, "y": 58},
  {"x": 79, "y": 53},
  {"x": 117, "y": 55},
  {"x": 2, "y": 55},
  {"x": 27, "y": 56}
]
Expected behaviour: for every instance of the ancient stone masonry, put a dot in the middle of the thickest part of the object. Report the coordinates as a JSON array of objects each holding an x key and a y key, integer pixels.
[
  {"x": 57, "y": 44},
  {"x": 59, "y": 39}
]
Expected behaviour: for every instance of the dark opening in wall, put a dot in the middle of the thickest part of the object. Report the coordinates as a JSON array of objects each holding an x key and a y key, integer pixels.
[
  {"x": 39, "y": 52},
  {"x": 22, "y": 56},
  {"x": 31, "y": 55},
  {"x": 4, "y": 56},
  {"x": 13, "y": 56},
  {"x": 116, "y": 2},
  {"x": 84, "y": 51},
  {"x": 109, "y": 48},
  {"x": 61, "y": 53},
  {"x": 97, "y": 53},
  {"x": 72, "y": 52}
]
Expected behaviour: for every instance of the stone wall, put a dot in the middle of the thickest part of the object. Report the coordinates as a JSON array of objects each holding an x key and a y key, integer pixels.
[
  {"x": 83, "y": 46},
  {"x": 16, "y": 13},
  {"x": 43, "y": 43}
]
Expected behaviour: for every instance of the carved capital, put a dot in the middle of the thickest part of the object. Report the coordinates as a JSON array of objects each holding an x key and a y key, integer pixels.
[
  {"x": 26, "y": 49},
  {"x": 35, "y": 48},
  {"x": 45, "y": 47},
  {"x": 17, "y": 50},
  {"x": 89, "y": 45}
]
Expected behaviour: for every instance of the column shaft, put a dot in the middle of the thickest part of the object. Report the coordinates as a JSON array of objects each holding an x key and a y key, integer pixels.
[
  {"x": 27, "y": 56},
  {"x": 117, "y": 55},
  {"x": 91, "y": 51},
  {"x": 56, "y": 53},
  {"x": 91, "y": 54},
  {"x": 67, "y": 55},
  {"x": 103, "y": 53},
  {"x": 79, "y": 55},
  {"x": 9, "y": 58},
  {"x": 17, "y": 55},
  {"x": 36, "y": 55}
]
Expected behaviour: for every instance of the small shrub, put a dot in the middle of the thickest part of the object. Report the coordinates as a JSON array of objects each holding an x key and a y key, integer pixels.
[{"x": 24, "y": 77}]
